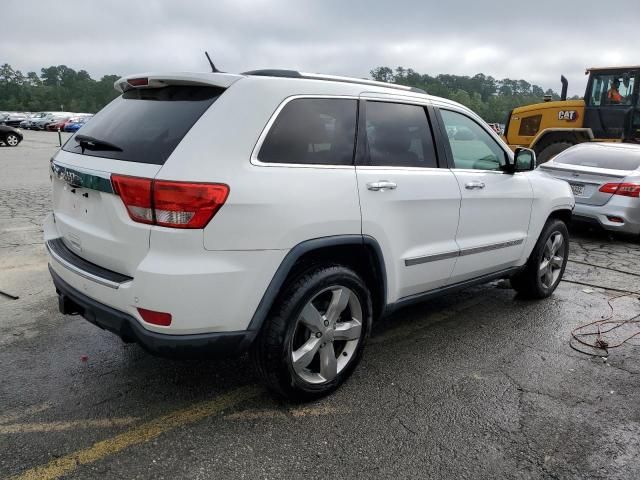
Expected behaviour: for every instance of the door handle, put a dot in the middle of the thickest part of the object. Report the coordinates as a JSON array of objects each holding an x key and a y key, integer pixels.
[
  {"x": 475, "y": 185},
  {"x": 381, "y": 185}
]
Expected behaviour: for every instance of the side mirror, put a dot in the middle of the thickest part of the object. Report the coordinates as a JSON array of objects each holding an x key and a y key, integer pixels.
[{"x": 524, "y": 160}]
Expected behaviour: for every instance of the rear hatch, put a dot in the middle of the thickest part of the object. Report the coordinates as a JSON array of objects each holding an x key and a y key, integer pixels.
[
  {"x": 589, "y": 167},
  {"x": 132, "y": 136}
]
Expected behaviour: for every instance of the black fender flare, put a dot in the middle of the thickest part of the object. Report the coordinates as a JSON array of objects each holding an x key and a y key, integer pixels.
[{"x": 290, "y": 259}]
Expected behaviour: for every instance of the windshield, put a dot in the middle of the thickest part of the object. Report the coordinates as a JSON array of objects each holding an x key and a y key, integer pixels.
[{"x": 145, "y": 125}]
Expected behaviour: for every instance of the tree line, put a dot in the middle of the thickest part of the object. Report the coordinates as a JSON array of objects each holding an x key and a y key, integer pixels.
[
  {"x": 63, "y": 88},
  {"x": 57, "y": 88},
  {"x": 490, "y": 98}
]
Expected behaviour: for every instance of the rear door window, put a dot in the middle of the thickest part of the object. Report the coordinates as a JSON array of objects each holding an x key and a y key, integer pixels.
[
  {"x": 312, "y": 131},
  {"x": 399, "y": 135},
  {"x": 143, "y": 125}
]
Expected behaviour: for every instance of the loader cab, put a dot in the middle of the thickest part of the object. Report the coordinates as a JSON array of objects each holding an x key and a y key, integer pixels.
[{"x": 612, "y": 108}]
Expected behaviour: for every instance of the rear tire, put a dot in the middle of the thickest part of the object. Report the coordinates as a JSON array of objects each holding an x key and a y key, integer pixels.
[
  {"x": 545, "y": 267},
  {"x": 551, "y": 150},
  {"x": 314, "y": 337}
]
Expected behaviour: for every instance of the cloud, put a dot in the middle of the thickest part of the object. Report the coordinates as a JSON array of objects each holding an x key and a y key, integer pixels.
[{"x": 537, "y": 41}]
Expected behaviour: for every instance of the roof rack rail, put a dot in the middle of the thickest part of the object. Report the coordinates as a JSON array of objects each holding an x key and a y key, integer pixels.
[{"x": 331, "y": 78}]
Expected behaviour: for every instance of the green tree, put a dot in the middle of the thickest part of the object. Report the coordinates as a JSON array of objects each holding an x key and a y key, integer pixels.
[
  {"x": 492, "y": 99},
  {"x": 57, "y": 87}
]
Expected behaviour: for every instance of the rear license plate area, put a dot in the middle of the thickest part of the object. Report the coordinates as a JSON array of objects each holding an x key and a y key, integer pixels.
[{"x": 577, "y": 189}]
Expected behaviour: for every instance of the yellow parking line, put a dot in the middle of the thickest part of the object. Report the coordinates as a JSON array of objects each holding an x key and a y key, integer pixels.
[
  {"x": 298, "y": 412},
  {"x": 59, "y": 426},
  {"x": 315, "y": 411},
  {"x": 140, "y": 434},
  {"x": 15, "y": 415}
]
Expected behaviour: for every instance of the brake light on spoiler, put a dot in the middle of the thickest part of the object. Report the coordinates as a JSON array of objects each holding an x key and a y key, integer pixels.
[
  {"x": 140, "y": 82},
  {"x": 168, "y": 203}
]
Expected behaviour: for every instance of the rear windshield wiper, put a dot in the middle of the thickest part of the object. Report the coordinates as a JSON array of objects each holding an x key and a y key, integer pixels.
[{"x": 92, "y": 143}]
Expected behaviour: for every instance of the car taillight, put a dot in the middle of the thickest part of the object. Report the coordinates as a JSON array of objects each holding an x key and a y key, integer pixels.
[
  {"x": 136, "y": 196},
  {"x": 186, "y": 204},
  {"x": 624, "y": 189},
  {"x": 170, "y": 204}
]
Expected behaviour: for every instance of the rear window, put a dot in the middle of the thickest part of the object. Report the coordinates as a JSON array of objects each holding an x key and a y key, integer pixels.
[
  {"x": 313, "y": 131},
  {"x": 143, "y": 125},
  {"x": 622, "y": 160}
]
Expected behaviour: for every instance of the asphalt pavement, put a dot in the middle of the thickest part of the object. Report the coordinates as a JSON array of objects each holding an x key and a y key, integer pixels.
[{"x": 479, "y": 384}]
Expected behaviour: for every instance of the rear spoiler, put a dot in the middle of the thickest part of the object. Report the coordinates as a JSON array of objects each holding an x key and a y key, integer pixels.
[{"x": 158, "y": 80}]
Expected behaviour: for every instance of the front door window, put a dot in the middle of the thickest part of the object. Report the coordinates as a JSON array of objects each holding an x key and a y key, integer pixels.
[{"x": 471, "y": 146}]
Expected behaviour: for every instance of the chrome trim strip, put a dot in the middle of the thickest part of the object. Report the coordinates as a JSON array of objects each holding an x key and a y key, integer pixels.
[
  {"x": 75, "y": 177},
  {"x": 488, "y": 248},
  {"x": 461, "y": 253},
  {"x": 407, "y": 169},
  {"x": 430, "y": 258},
  {"x": 82, "y": 273}
]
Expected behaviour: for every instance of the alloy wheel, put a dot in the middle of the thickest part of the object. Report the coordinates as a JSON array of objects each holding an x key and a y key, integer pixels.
[
  {"x": 327, "y": 334},
  {"x": 552, "y": 260},
  {"x": 12, "y": 140}
]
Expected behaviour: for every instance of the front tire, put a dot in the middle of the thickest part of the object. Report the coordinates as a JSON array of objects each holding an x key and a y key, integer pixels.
[
  {"x": 545, "y": 267},
  {"x": 12, "y": 140},
  {"x": 315, "y": 335}
]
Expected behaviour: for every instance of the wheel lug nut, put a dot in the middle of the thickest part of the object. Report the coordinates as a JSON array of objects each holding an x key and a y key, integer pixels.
[
  {"x": 326, "y": 323},
  {"x": 318, "y": 334}
]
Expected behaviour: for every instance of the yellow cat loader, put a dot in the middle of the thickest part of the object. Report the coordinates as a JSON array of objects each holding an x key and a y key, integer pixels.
[{"x": 610, "y": 112}]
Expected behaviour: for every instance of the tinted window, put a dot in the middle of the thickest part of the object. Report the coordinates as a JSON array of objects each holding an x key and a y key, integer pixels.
[
  {"x": 144, "y": 125},
  {"x": 315, "y": 131},
  {"x": 471, "y": 146},
  {"x": 399, "y": 135}
]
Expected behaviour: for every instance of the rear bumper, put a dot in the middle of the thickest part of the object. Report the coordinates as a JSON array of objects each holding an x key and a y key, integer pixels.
[
  {"x": 626, "y": 208},
  {"x": 206, "y": 292},
  {"x": 223, "y": 344}
]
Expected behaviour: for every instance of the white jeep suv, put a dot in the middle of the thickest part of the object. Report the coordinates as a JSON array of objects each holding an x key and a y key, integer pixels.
[{"x": 281, "y": 213}]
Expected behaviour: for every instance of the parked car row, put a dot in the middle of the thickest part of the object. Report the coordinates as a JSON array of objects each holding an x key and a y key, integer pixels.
[
  {"x": 54, "y": 121},
  {"x": 70, "y": 124},
  {"x": 51, "y": 121}
]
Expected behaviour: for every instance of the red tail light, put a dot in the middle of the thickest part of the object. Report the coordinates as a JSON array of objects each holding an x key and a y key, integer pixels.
[
  {"x": 170, "y": 204},
  {"x": 136, "y": 195},
  {"x": 187, "y": 205},
  {"x": 624, "y": 189},
  {"x": 157, "y": 318}
]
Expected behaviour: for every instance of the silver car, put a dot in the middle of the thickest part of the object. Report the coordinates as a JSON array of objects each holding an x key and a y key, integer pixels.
[{"x": 605, "y": 179}]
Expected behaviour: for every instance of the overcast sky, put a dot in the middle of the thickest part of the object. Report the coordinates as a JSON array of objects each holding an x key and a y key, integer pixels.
[{"x": 534, "y": 40}]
